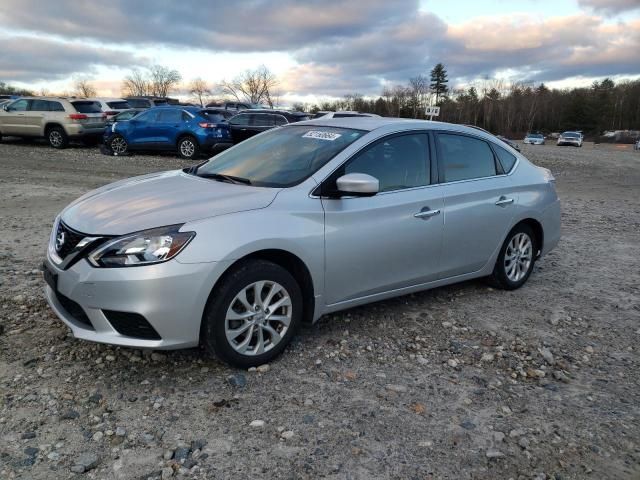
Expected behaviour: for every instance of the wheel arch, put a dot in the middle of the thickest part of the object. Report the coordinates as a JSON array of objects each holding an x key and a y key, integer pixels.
[
  {"x": 290, "y": 262},
  {"x": 182, "y": 135},
  {"x": 538, "y": 232},
  {"x": 49, "y": 125}
]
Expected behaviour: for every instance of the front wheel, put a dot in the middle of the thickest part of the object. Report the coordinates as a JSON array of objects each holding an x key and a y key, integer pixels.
[
  {"x": 118, "y": 145},
  {"x": 516, "y": 259},
  {"x": 252, "y": 314}
]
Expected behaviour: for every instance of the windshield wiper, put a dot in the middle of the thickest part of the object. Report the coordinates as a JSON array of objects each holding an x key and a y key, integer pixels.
[
  {"x": 193, "y": 168},
  {"x": 225, "y": 178}
]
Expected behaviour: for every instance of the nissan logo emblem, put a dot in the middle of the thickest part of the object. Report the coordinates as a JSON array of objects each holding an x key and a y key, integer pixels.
[{"x": 59, "y": 241}]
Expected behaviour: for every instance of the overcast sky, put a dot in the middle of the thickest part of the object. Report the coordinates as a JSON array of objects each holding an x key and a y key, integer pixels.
[{"x": 319, "y": 48}]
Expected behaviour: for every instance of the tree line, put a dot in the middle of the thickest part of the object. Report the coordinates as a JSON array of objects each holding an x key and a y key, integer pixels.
[{"x": 510, "y": 109}]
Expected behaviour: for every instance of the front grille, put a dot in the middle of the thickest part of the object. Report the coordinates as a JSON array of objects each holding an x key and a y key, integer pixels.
[
  {"x": 74, "y": 309},
  {"x": 131, "y": 325},
  {"x": 66, "y": 240}
]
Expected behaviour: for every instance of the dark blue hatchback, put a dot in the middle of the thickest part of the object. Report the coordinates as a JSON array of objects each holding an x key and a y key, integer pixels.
[{"x": 187, "y": 130}]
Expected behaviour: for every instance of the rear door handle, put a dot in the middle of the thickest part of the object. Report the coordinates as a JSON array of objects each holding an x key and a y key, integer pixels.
[
  {"x": 504, "y": 201},
  {"x": 426, "y": 213}
]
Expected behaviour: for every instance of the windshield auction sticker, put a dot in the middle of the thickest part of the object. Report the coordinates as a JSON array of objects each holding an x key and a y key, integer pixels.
[{"x": 322, "y": 135}]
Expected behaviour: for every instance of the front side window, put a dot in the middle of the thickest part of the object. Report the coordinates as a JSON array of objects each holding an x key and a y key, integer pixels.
[
  {"x": 397, "y": 162},
  {"x": 169, "y": 115},
  {"x": 19, "y": 105},
  {"x": 465, "y": 158},
  {"x": 262, "y": 120},
  {"x": 242, "y": 119},
  {"x": 281, "y": 157},
  {"x": 148, "y": 116}
]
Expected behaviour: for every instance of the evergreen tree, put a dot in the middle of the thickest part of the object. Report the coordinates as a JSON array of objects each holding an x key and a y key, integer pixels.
[{"x": 439, "y": 82}]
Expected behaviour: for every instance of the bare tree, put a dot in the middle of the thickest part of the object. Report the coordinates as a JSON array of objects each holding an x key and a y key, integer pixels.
[
  {"x": 419, "y": 93},
  {"x": 200, "y": 91},
  {"x": 136, "y": 84},
  {"x": 82, "y": 88},
  {"x": 163, "y": 80},
  {"x": 252, "y": 86}
]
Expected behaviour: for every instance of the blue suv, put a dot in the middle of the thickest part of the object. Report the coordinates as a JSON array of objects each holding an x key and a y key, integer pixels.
[{"x": 187, "y": 130}]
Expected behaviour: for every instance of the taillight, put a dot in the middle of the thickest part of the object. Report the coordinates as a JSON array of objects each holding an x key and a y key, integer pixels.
[{"x": 78, "y": 116}]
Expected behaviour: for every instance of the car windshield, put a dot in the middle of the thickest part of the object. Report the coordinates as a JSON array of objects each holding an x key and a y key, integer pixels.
[
  {"x": 535, "y": 135},
  {"x": 571, "y": 135},
  {"x": 281, "y": 157}
]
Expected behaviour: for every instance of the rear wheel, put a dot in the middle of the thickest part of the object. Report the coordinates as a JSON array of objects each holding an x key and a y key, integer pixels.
[
  {"x": 188, "y": 147},
  {"x": 118, "y": 145},
  {"x": 57, "y": 137},
  {"x": 252, "y": 315},
  {"x": 516, "y": 259}
]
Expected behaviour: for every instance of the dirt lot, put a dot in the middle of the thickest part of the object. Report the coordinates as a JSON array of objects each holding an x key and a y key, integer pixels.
[{"x": 459, "y": 382}]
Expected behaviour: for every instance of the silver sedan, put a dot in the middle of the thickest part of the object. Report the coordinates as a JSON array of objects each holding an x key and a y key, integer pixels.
[{"x": 295, "y": 223}]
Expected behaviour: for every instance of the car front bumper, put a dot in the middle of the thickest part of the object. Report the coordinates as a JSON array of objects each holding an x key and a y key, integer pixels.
[{"x": 170, "y": 297}]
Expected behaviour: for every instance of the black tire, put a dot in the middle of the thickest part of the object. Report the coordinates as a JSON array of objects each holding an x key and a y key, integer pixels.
[
  {"x": 118, "y": 145},
  {"x": 57, "y": 137},
  {"x": 213, "y": 334},
  {"x": 188, "y": 147},
  {"x": 499, "y": 278}
]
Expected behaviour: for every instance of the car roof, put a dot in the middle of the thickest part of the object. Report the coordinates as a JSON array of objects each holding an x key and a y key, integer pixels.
[
  {"x": 391, "y": 124},
  {"x": 279, "y": 112}
]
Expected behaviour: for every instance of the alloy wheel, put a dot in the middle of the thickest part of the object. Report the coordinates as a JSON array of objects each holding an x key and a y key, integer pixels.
[
  {"x": 187, "y": 148},
  {"x": 258, "y": 318},
  {"x": 119, "y": 145},
  {"x": 518, "y": 257},
  {"x": 55, "y": 138}
]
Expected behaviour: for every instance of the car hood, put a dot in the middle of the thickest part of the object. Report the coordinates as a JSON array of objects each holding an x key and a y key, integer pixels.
[{"x": 160, "y": 199}]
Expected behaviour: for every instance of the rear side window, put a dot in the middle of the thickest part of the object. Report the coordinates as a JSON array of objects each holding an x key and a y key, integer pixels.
[
  {"x": 39, "y": 106},
  {"x": 397, "y": 162},
  {"x": 119, "y": 105},
  {"x": 507, "y": 160},
  {"x": 87, "y": 107},
  {"x": 169, "y": 115},
  {"x": 465, "y": 158}
]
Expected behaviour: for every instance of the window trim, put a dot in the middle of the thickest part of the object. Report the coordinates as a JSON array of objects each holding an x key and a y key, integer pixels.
[
  {"x": 440, "y": 161},
  {"x": 317, "y": 191}
]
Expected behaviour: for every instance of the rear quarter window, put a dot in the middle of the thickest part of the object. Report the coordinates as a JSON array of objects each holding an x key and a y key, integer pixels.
[
  {"x": 87, "y": 107},
  {"x": 507, "y": 160}
]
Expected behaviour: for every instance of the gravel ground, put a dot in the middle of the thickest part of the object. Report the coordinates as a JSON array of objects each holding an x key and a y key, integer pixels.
[{"x": 458, "y": 382}]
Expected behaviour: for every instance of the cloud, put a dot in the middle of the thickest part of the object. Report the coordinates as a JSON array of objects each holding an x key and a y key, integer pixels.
[
  {"x": 257, "y": 25},
  {"x": 29, "y": 59},
  {"x": 610, "y": 6}
]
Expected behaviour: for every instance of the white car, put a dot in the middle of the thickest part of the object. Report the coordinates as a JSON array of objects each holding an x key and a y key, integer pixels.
[
  {"x": 111, "y": 106},
  {"x": 534, "y": 139},
  {"x": 636, "y": 146},
  {"x": 570, "y": 138}
]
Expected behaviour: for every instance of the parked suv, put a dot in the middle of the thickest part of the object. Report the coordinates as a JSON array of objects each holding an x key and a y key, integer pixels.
[
  {"x": 112, "y": 106},
  {"x": 146, "y": 102},
  {"x": 58, "y": 119},
  {"x": 251, "y": 122},
  {"x": 188, "y": 130}
]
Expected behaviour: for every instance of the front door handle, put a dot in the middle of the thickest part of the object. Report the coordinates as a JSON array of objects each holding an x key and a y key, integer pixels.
[
  {"x": 426, "y": 213},
  {"x": 504, "y": 201}
]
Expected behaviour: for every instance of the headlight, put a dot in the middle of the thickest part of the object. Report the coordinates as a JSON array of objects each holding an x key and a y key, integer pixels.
[{"x": 141, "y": 248}]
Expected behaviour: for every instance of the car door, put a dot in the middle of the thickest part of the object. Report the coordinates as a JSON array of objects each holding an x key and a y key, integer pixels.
[
  {"x": 14, "y": 121},
  {"x": 478, "y": 202},
  {"x": 137, "y": 131},
  {"x": 393, "y": 239},
  {"x": 34, "y": 120},
  {"x": 239, "y": 125},
  {"x": 168, "y": 123}
]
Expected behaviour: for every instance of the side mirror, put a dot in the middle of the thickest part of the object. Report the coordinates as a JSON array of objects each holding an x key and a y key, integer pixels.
[
  {"x": 5, "y": 108},
  {"x": 358, "y": 185}
]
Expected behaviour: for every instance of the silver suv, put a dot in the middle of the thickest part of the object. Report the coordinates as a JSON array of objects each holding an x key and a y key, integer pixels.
[
  {"x": 55, "y": 118},
  {"x": 299, "y": 221}
]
